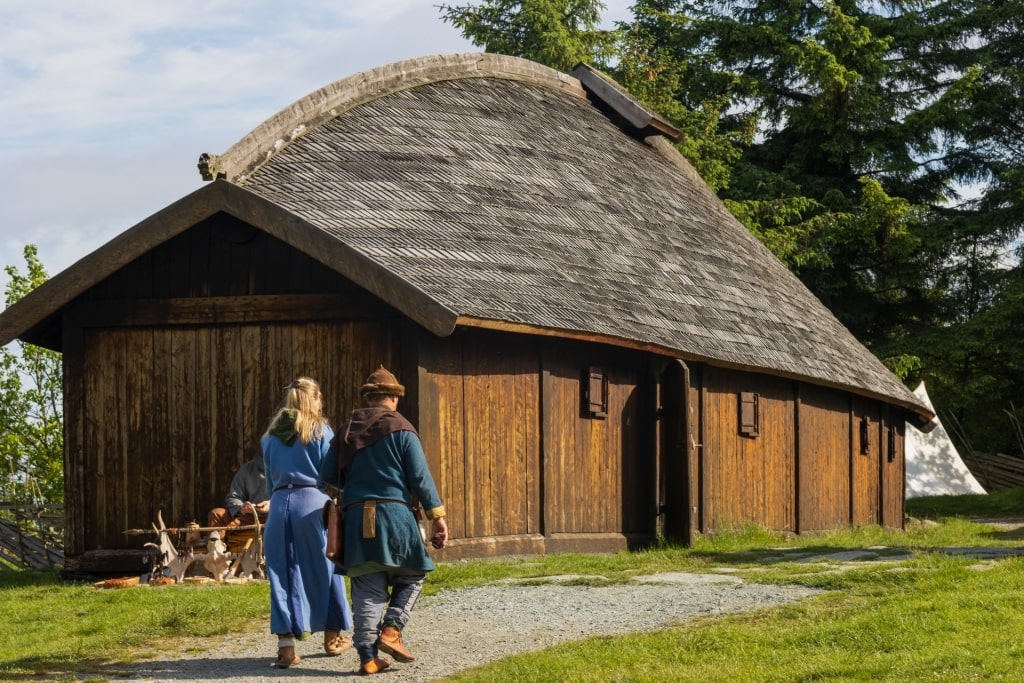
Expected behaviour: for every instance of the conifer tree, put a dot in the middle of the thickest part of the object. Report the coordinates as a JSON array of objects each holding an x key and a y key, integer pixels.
[
  {"x": 876, "y": 148},
  {"x": 556, "y": 33}
]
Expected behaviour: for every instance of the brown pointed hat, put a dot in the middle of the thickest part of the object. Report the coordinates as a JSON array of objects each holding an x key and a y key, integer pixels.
[{"x": 382, "y": 382}]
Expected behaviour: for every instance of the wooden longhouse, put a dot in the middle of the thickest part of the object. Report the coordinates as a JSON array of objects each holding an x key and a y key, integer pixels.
[{"x": 596, "y": 352}]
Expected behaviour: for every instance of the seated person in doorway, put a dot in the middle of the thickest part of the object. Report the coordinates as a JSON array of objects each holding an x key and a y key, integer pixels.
[{"x": 247, "y": 499}]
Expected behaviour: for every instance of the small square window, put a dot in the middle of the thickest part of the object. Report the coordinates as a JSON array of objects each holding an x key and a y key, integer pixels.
[
  {"x": 595, "y": 392},
  {"x": 750, "y": 414}
]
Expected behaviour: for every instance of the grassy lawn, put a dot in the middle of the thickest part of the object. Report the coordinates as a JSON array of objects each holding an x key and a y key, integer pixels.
[
  {"x": 934, "y": 617},
  {"x": 53, "y": 628}
]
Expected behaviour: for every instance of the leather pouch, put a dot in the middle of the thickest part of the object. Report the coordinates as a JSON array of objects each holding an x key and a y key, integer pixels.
[{"x": 370, "y": 519}]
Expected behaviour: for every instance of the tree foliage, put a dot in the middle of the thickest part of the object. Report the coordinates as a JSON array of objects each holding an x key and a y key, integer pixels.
[
  {"x": 883, "y": 166},
  {"x": 31, "y": 407},
  {"x": 557, "y": 33}
]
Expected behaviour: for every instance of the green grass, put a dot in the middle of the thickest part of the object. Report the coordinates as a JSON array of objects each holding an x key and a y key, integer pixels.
[
  {"x": 1009, "y": 502},
  {"x": 936, "y": 619},
  {"x": 54, "y": 628},
  {"x": 933, "y": 617}
]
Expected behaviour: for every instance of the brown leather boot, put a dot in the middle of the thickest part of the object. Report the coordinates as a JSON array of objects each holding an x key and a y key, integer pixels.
[
  {"x": 390, "y": 641},
  {"x": 286, "y": 657},
  {"x": 335, "y": 643},
  {"x": 374, "y": 666}
]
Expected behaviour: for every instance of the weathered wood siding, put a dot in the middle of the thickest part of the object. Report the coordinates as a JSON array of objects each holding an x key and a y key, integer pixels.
[
  {"x": 747, "y": 479},
  {"x": 823, "y": 456},
  {"x": 866, "y": 500},
  {"x": 479, "y": 423},
  {"x": 598, "y": 472},
  {"x": 220, "y": 256},
  {"x": 523, "y": 469},
  {"x": 804, "y": 471},
  {"x": 175, "y": 364},
  {"x": 169, "y": 414},
  {"x": 893, "y": 468}
]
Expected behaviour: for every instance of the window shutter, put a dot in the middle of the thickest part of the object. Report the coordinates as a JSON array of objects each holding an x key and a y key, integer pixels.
[
  {"x": 749, "y": 414},
  {"x": 596, "y": 389},
  {"x": 865, "y": 435}
]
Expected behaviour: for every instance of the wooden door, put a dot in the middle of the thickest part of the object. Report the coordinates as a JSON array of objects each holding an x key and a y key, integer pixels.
[{"x": 673, "y": 488}]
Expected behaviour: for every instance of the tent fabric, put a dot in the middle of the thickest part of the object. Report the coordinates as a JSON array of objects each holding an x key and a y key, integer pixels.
[{"x": 934, "y": 467}]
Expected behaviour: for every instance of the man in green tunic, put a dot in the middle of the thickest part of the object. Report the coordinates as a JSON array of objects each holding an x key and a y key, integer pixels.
[{"x": 377, "y": 459}]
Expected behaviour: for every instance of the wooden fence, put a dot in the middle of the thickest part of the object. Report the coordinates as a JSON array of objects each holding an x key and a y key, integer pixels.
[
  {"x": 995, "y": 471},
  {"x": 31, "y": 536}
]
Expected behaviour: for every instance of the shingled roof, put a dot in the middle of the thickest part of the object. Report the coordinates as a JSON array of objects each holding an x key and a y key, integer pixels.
[{"x": 489, "y": 191}]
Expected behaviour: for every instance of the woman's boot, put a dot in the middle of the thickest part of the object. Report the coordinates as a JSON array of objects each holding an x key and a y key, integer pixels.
[
  {"x": 335, "y": 643},
  {"x": 286, "y": 657}
]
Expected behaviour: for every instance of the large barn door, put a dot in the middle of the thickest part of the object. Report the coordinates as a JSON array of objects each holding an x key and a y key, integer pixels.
[{"x": 673, "y": 481}]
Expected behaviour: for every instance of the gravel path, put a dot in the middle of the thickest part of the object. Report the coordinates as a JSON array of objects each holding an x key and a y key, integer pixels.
[{"x": 462, "y": 628}]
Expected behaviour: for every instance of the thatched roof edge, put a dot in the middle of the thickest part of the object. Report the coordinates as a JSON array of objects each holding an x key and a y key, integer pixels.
[{"x": 326, "y": 103}]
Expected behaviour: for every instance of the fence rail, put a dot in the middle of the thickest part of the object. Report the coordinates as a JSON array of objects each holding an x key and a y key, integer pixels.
[
  {"x": 31, "y": 536},
  {"x": 995, "y": 471}
]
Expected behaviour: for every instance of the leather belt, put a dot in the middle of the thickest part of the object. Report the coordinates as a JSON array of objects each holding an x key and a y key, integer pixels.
[
  {"x": 295, "y": 486},
  {"x": 370, "y": 513}
]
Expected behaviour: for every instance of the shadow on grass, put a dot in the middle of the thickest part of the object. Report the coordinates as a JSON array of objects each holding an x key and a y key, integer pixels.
[
  {"x": 841, "y": 554},
  {"x": 44, "y": 669}
]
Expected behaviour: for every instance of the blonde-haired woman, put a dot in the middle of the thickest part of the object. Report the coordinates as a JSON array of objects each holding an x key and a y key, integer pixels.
[{"x": 306, "y": 595}]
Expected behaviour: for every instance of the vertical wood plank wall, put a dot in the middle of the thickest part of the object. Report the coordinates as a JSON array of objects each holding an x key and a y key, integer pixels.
[
  {"x": 479, "y": 403},
  {"x": 170, "y": 413},
  {"x": 866, "y": 467},
  {"x": 893, "y": 471},
  {"x": 824, "y": 459},
  {"x": 747, "y": 480},
  {"x": 523, "y": 466},
  {"x": 804, "y": 471},
  {"x": 591, "y": 464},
  {"x": 173, "y": 370},
  {"x": 174, "y": 365}
]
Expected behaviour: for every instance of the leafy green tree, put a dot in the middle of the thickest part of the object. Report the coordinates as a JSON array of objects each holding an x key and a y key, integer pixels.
[
  {"x": 556, "y": 33},
  {"x": 31, "y": 407}
]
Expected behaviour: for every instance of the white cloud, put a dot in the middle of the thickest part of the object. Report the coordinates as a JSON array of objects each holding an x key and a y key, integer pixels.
[{"x": 107, "y": 104}]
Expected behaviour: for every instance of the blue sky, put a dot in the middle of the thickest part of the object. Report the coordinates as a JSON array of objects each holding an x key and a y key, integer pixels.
[{"x": 106, "y": 105}]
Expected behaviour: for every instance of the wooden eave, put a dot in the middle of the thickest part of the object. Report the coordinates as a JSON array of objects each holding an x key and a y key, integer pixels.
[
  {"x": 35, "y": 318},
  {"x": 916, "y": 414}
]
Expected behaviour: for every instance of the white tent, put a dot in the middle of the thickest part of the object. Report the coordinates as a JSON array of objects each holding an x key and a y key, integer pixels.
[{"x": 934, "y": 467}]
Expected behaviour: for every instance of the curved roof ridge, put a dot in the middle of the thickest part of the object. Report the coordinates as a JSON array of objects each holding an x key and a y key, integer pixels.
[{"x": 326, "y": 103}]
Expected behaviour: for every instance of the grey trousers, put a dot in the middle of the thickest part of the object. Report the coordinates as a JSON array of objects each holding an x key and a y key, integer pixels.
[{"x": 381, "y": 598}]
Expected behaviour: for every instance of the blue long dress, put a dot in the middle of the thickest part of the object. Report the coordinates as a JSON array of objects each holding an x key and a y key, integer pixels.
[{"x": 307, "y": 595}]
